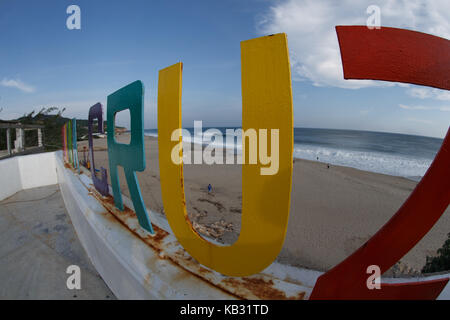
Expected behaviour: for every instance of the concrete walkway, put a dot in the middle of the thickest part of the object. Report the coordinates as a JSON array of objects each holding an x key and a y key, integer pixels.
[{"x": 37, "y": 244}]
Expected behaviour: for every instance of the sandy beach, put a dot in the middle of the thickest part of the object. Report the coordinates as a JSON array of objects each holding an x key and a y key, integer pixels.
[{"x": 333, "y": 210}]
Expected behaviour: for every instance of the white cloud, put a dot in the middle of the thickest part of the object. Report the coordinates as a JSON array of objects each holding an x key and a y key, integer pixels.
[
  {"x": 429, "y": 93},
  {"x": 419, "y": 120},
  {"x": 11, "y": 83},
  {"x": 313, "y": 43},
  {"x": 421, "y": 93},
  {"x": 441, "y": 108}
]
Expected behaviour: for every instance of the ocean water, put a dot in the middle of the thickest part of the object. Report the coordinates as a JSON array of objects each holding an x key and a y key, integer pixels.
[{"x": 389, "y": 153}]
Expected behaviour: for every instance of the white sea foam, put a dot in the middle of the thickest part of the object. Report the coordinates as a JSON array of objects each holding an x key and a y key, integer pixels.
[
  {"x": 396, "y": 165},
  {"x": 151, "y": 134},
  {"x": 378, "y": 162}
]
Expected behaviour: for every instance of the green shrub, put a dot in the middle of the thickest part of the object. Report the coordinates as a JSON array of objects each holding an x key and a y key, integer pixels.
[{"x": 441, "y": 262}]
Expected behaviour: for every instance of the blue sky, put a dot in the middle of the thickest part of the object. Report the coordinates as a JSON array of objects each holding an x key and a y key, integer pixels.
[{"x": 42, "y": 63}]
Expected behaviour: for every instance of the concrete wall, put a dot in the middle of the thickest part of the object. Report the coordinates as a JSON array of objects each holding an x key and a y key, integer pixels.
[
  {"x": 26, "y": 172},
  {"x": 10, "y": 180}
]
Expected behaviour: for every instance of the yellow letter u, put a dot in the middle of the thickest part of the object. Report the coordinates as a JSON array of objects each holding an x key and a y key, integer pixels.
[{"x": 266, "y": 104}]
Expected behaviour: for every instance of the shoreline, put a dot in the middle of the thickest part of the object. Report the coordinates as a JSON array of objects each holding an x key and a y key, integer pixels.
[
  {"x": 412, "y": 178},
  {"x": 333, "y": 210}
]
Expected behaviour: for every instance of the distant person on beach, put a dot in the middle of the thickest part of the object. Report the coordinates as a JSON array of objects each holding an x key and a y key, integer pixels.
[{"x": 209, "y": 187}]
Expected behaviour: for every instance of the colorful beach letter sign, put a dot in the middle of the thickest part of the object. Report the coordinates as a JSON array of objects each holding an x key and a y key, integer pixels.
[
  {"x": 96, "y": 112},
  {"x": 266, "y": 104},
  {"x": 399, "y": 55},
  {"x": 386, "y": 54},
  {"x": 64, "y": 142},
  {"x": 75, "y": 162},
  {"x": 69, "y": 142},
  {"x": 131, "y": 157},
  {"x": 69, "y": 135}
]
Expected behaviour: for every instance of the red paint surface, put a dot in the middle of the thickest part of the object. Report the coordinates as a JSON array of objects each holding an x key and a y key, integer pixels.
[
  {"x": 392, "y": 54},
  {"x": 424, "y": 290},
  {"x": 411, "y": 57}
]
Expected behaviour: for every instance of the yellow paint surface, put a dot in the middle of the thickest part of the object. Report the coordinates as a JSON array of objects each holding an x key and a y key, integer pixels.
[{"x": 267, "y": 104}]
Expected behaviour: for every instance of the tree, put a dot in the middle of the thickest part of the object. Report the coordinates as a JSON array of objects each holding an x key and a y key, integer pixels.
[
  {"x": 441, "y": 262},
  {"x": 52, "y": 126}
]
